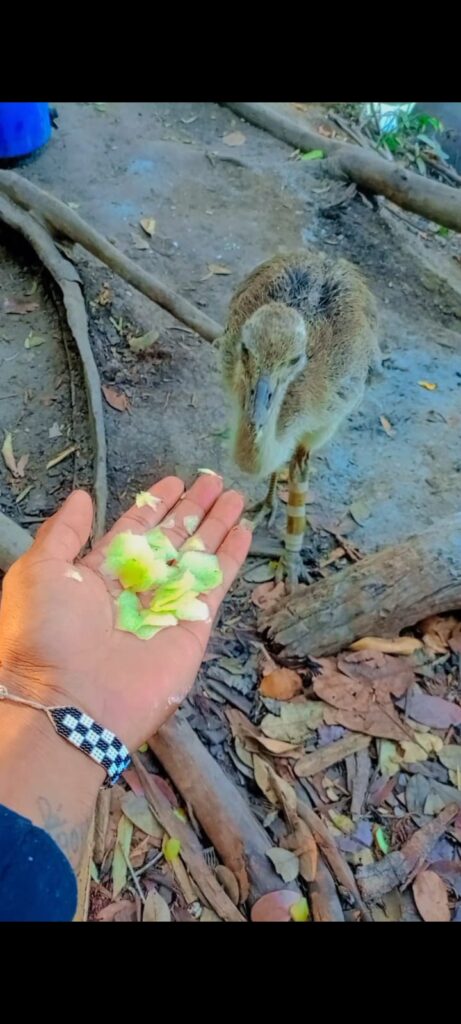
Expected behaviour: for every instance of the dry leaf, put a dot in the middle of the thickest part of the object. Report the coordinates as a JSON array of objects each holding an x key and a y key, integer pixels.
[
  {"x": 105, "y": 296},
  {"x": 208, "y": 916},
  {"x": 275, "y": 906},
  {"x": 227, "y": 879},
  {"x": 455, "y": 639},
  {"x": 137, "y": 810},
  {"x": 277, "y": 791},
  {"x": 148, "y": 225},
  {"x": 13, "y": 305},
  {"x": 54, "y": 432},
  {"x": 325, "y": 757},
  {"x": 116, "y": 399},
  {"x": 392, "y": 671},
  {"x": 21, "y": 465},
  {"x": 140, "y": 243},
  {"x": 360, "y": 511},
  {"x": 282, "y": 684},
  {"x": 144, "y": 342},
  {"x": 234, "y": 139},
  {"x": 389, "y": 758},
  {"x": 360, "y": 706},
  {"x": 437, "y": 631},
  {"x": 401, "y": 645},
  {"x": 285, "y": 863},
  {"x": 431, "y": 897},
  {"x": 267, "y": 594},
  {"x": 156, "y": 908},
  {"x": 398, "y": 867},
  {"x": 252, "y": 739},
  {"x": 297, "y": 720},
  {"x": 121, "y": 910},
  {"x": 334, "y": 556},
  {"x": 34, "y": 340},
  {"x": 121, "y": 852},
  {"x": 432, "y": 711},
  {"x": 428, "y": 385},
  {"x": 61, "y": 456},
  {"x": 8, "y": 455},
  {"x": 218, "y": 268},
  {"x": 450, "y": 756},
  {"x": 387, "y": 427}
]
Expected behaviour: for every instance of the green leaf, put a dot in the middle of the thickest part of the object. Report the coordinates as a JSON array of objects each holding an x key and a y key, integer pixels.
[
  {"x": 171, "y": 849},
  {"x": 161, "y": 544},
  {"x": 314, "y": 154},
  {"x": 300, "y": 911},
  {"x": 443, "y": 231},
  {"x": 144, "y": 342},
  {"x": 205, "y": 569},
  {"x": 381, "y": 840},
  {"x": 132, "y": 561},
  {"x": 121, "y": 853}
]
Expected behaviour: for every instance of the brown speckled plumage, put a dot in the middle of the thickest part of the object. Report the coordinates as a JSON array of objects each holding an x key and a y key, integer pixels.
[{"x": 304, "y": 324}]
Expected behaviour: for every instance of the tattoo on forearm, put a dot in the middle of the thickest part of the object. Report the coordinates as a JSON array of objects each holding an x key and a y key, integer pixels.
[{"x": 70, "y": 837}]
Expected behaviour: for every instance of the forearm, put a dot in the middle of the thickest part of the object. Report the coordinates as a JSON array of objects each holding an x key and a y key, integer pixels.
[{"x": 46, "y": 779}]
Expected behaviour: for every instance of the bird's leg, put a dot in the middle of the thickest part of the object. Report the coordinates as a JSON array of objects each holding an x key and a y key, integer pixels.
[
  {"x": 267, "y": 508},
  {"x": 291, "y": 565}
]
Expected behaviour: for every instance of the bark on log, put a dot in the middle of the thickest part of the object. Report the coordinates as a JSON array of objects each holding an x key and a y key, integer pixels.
[
  {"x": 379, "y": 595},
  {"x": 68, "y": 223},
  {"x": 224, "y": 815},
  {"x": 367, "y": 169},
  {"x": 14, "y": 541}
]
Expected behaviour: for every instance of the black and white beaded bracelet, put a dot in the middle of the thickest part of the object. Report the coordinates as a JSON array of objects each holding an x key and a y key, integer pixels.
[{"x": 78, "y": 728}]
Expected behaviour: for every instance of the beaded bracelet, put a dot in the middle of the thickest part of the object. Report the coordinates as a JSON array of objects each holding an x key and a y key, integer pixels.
[{"x": 83, "y": 732}]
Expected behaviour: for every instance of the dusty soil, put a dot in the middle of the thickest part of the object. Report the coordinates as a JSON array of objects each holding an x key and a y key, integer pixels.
[{"x": 235, "y": 206}]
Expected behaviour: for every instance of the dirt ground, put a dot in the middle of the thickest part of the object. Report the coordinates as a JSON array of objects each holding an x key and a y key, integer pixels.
[
  {"x": 395, "y": 467},
  {"x": 215, "y": 204}
]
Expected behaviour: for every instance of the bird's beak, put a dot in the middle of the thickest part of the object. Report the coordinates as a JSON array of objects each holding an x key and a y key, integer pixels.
[{"x": 262, "y": 402}]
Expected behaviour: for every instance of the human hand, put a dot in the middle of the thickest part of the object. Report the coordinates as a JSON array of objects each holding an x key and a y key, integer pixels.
[{"x": 58, "y": 641}]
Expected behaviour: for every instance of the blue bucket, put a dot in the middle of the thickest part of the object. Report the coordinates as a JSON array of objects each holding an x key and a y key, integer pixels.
[{"x": 24, "y": 128}]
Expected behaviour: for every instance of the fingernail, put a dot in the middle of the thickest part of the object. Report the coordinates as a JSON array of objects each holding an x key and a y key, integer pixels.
[{"x": 247, "y": 524}]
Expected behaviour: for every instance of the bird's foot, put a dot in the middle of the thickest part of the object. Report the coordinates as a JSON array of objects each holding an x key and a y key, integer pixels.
[
  {"x": 262, "y": 511},
  {"x": 291, "y": 570}
]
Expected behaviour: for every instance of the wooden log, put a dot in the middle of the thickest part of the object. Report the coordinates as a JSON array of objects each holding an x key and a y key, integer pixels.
[
  {"x": 191, "y": 850},
  {"x": 369, "y": 170},
  {"x": 223, "y": 813},
  {"x": 379, "y": 595},
  {"x": 67, "y": 222},
  {"x": 14, "y": 541}
]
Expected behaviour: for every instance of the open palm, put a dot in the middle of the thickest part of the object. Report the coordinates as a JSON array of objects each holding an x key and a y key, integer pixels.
[{"x": 58, "y": 641}]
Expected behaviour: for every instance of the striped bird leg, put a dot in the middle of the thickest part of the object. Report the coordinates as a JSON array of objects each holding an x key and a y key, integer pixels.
[
  {"x": 291, "y": 566},
  {"x": 267, "y": 508}
]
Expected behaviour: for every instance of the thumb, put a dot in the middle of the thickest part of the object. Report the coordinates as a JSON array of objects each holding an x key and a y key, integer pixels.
[{"x": 65, "y": 533}]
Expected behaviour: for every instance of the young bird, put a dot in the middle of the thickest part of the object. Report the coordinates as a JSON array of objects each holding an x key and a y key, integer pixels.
[{"x": 298, "y": 346}]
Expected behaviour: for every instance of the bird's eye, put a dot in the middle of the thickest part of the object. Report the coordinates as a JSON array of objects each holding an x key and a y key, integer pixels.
[{"x": 294, "y": 361}]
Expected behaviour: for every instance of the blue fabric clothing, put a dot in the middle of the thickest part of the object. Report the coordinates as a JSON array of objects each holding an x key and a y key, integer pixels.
[{"x": 36, "y": 880}]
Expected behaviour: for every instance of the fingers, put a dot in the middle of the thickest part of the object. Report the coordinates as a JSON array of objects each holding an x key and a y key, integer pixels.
[
  {"x": 138, "y": 520},
  {"x": 192, "y": 509},
  {"x": 66, "y": 532},
  {"x": 224, "y": 515},
  {"x": 232, "y": 554}
]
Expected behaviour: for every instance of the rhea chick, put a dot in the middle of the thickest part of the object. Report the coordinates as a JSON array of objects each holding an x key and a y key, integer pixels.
[{"x": 298, "y": 346}]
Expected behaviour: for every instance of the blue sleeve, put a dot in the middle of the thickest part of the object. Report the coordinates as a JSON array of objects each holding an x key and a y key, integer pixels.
[{"x": 36, "y": 880}]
